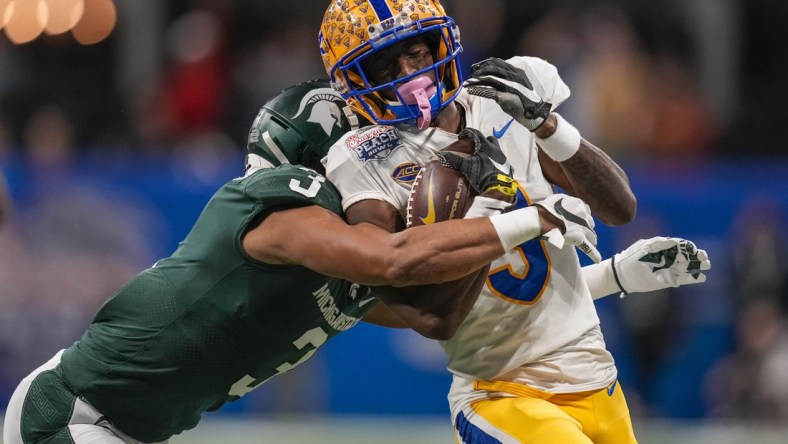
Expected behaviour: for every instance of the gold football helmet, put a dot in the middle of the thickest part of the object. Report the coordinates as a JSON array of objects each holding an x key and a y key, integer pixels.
[{"x": 354, "y": 30}]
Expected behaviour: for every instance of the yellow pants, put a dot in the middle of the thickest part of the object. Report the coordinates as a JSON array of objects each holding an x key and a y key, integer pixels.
[{"x": 536, "y": 417}]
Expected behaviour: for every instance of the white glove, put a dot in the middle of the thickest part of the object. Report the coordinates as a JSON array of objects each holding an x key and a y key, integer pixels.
[
  {"x": 576, "y": 216},
  {"x": 659, "y": 262}
]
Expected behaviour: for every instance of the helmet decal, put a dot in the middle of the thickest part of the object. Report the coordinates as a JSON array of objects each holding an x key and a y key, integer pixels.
[
  {"x": 298, "y": 126},
  {"x": 325, "y": 112}
]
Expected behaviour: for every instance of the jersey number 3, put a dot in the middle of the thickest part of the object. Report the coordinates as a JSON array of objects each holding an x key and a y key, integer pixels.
[
  {"x": 524, "y": 277},
  {"x": 313, "y": 187},
  {"x": 308, "y": 343}
]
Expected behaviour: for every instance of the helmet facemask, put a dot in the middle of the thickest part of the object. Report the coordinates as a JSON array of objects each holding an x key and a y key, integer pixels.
[{"x": 369, "y": 99}]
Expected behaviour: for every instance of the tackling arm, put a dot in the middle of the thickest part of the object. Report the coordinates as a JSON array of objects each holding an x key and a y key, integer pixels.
[
  {"x": 369, "y": 255},
  {"x": 437, "y": 311},
  {"x": 434, "y": 310}
]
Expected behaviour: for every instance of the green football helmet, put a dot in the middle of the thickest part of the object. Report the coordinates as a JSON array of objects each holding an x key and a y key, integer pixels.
[{"x": 298, "y": 126}]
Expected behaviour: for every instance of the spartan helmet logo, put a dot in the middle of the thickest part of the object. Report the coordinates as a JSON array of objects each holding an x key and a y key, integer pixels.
[{"x": 323, "y": 108}]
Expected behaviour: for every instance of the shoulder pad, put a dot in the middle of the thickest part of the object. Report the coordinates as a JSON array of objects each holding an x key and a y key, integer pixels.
[{"x": 292, "y": 185}]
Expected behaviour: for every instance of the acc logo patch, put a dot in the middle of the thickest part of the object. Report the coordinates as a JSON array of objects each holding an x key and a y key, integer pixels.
[
  {"x": 376, "y": 143},
  {"x": 406, "y": 172}
]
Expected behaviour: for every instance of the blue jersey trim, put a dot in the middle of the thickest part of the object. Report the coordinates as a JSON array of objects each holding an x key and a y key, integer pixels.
[{"x": 470, "y": 434}]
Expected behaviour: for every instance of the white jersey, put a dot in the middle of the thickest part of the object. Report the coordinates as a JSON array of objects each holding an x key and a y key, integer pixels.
[{"x": 534, "y": 322}]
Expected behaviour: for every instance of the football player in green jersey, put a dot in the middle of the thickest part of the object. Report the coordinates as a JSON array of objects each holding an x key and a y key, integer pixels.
[{"x": 269, "y": 272}]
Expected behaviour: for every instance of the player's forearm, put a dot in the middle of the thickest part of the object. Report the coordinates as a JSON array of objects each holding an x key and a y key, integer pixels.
[
  {"x": 381, "y": 315},
  {"x": 429, "y": 254},
  {"x": 587, "y": 171},
  {"x": 601, "y": 183},
  {"x": 442, "y": 252},
  {"x": 448, "y": 250},
  {"x": 434, "y": 311}
]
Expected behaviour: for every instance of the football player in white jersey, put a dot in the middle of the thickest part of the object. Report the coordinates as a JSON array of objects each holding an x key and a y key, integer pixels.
[{"x": 529, "y": 360}]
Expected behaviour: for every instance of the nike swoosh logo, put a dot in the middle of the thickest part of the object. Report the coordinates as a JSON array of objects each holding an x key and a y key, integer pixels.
[
  {"x": 612, "y": 388},
  {"x": 365, "y": 302},
  {"x": 559, "y": 208},
  {"x": 499, "y": 133},
  {"x": 430, "y": 217}
]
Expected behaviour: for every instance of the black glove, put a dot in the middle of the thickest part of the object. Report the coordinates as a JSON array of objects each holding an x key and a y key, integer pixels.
[
  {"x": 509, "y": 86},
  {"x": 487, "y": 168}
]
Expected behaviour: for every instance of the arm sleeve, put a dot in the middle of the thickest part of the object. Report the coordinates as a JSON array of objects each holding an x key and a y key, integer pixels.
[{"x": 600, "y": 280}]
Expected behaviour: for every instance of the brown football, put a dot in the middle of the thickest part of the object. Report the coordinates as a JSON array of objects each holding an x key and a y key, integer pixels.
[{"x": 440, "y": 193}]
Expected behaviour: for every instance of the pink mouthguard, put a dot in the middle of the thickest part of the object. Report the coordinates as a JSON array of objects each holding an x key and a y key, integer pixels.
[{"x": 418, "y": 91}]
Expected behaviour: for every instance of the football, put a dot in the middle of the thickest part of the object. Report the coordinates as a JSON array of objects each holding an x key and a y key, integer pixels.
[{"x": 440, "y": 193}]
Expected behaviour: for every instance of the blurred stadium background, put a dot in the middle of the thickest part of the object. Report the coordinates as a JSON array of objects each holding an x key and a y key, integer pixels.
[{"x": 119, "y": 118}]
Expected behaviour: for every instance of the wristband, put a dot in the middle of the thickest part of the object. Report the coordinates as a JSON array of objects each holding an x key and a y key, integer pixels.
[
  {"x": 615, "y": 275},
  {"x": 563, "y": 143},
  {"x": 485, "y": 207},
  {"x": 516, "y": 227}
]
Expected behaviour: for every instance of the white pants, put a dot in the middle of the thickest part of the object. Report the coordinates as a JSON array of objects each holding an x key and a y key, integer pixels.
[{"x": 86, "y": 425}]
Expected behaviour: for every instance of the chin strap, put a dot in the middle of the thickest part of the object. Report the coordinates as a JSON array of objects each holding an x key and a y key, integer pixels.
[
  {"x": 418, "y": 92},
  {"x": 351, "y": 117}
]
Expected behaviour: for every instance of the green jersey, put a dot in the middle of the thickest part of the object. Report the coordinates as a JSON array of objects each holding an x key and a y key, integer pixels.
[{"x": 209, "y": 324}]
